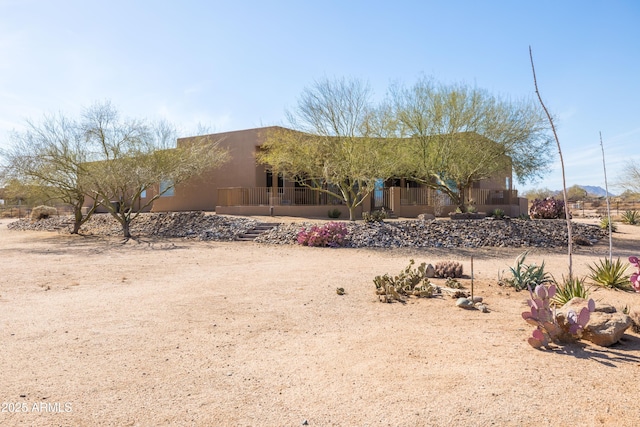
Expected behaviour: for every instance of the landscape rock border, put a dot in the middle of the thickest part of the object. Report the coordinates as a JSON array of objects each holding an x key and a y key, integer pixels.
[{"x": 428, "y": 233}]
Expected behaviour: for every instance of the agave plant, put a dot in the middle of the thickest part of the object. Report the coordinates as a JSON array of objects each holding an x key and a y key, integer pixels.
[
  {"x": 630, "y": 217},
  {"x": 524, "y": 276},
  {"x": 610, "y": 274},
  {"x": 604, "y": 224},
  {"x": 570, "y": 288}
]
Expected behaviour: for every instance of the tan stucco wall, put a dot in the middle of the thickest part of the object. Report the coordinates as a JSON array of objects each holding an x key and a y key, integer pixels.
[{"x": 240, "y": 171}]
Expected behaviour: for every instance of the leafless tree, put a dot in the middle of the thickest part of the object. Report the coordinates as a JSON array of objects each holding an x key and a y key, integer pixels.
[
  {"x": 49, "y": 158},
  {"x": 132, "y": 156}
]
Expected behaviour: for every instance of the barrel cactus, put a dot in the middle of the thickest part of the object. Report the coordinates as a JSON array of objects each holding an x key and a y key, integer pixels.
[{"x": 448, "y": 269}]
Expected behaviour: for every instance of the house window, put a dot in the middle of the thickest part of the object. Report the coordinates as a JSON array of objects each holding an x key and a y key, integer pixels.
[
  {"x": 507, "y": 183},
  {"x": 166, "y": 188},
  {"x": 143, "y": 194}
]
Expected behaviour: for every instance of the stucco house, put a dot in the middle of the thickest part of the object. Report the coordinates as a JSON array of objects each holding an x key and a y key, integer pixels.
[{"x": 244, "y": 187}]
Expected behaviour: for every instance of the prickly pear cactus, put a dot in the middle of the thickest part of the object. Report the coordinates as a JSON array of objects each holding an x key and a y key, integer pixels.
[
  {"x": 410, "y": 282},
  {"x": 549, "y": 327}
]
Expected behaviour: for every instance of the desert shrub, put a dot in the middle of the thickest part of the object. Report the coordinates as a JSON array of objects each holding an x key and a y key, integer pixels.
[
  {"x": 601, "y": 211},
  {"x": 570, "y": 288},
  {"x": 375, "y": 216},
  {"x": 549, "y": 208},
  {"x": 525, "y": 276},
  {"x": 331, "y": 234},
  {"x": 334, "y": 213},
  {"x": 410, "y": 281},
  {"x": 497, "y": 213},
  {"x": 604, "y": 224},
  {"x": 447, "y": 269},
  {"x": 43, "y": 212},
  {"x": 631, "y": 217},
  {"x": 610, "y": 274}
]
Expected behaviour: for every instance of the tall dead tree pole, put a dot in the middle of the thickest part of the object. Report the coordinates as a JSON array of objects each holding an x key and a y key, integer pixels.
[{"x": 564, "y": 182}]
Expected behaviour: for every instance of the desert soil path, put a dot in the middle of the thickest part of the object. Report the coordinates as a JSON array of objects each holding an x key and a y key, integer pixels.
[{"x": 186, "y": 333}]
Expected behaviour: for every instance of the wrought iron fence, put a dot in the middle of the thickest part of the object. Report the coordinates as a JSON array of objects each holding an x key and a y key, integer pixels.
[
  {"x": 480, "y": 196},
  {"x": 265, "y": 196}
]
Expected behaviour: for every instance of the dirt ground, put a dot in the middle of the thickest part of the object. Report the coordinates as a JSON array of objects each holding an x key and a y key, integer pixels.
[{"x": 184, "y": 333}]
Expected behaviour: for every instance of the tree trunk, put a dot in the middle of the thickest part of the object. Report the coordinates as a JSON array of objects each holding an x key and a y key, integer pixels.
[
  {"x": 352, "y": 216},
  {"x": 77, "y": 213},
  {"x": 125, "y": 229}
]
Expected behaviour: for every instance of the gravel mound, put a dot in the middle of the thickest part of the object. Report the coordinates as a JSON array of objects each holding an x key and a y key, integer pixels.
[
  {"x": 393, "y": 234},
  {"x": 451, "y": 234},
  {"x": 194, "y": 225}
]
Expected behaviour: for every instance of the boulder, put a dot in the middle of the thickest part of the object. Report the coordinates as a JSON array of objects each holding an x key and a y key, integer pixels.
[
  {"x": 430, "y": 271},
  {"x": 426, "y": 217},
  {"x": 606, "y": 325},
  {"x": 635, "y": 318},
  {"x": 43, "y": 212},
  {"x": 465, "y": 303},
  {"x": 605, "y": 329}
]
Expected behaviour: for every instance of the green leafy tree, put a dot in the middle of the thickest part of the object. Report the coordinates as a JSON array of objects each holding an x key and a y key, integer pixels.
[
  {"x": 454, "y": 135},
  {"x": 334, "y": 146},
  {"x": 538, "y": 193},
  {"x": 575, "y": 193}
]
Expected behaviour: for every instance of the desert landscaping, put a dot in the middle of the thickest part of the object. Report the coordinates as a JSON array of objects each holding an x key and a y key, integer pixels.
[{"x": 175, "y": 331}]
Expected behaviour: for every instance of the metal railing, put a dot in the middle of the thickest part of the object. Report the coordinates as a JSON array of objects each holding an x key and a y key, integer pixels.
[
  {"x": 480, "y": 196},
  {"x": 264, "y": 196}
]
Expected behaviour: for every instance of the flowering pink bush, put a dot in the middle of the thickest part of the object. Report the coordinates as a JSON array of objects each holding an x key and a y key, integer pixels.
[
  {"x": 548, "y": 208},
  {"x": 331, "y": 234},
  {"x": 635, "y": 277}
]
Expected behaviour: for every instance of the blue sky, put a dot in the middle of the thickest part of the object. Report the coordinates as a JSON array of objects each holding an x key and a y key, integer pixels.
[{"x": 239, "y": 64}]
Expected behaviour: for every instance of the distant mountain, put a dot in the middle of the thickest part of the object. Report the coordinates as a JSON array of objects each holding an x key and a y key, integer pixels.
[{"x": 593, "y": 191}]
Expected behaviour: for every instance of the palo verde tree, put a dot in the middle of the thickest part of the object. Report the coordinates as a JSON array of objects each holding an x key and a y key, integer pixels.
[
  {"x": 334, "y": 147},
  {"x": 131, "y": 156},
  {"x": 48, "y": 160},
  {"x": 454, "y": 135}
]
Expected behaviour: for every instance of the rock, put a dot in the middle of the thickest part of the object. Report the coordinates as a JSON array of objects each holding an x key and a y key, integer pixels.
[
  {"x": 606, "y": 326},
  {"x": 43, "y": 212},
  {"x": 634, "y": 314},
  {"x": 477, "y": 299},
  {"x": 482, "y": 307},
  {"x": 426, "y": 217},
  {"x": 605, "y": 329},
  {"x": 579, "y": 240},
  {"x": 464, "y": 303},
  {"x": 397, "y": 234},
  {"x": 576, "y": 304},
  {"x": 430, "y": 271}
]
